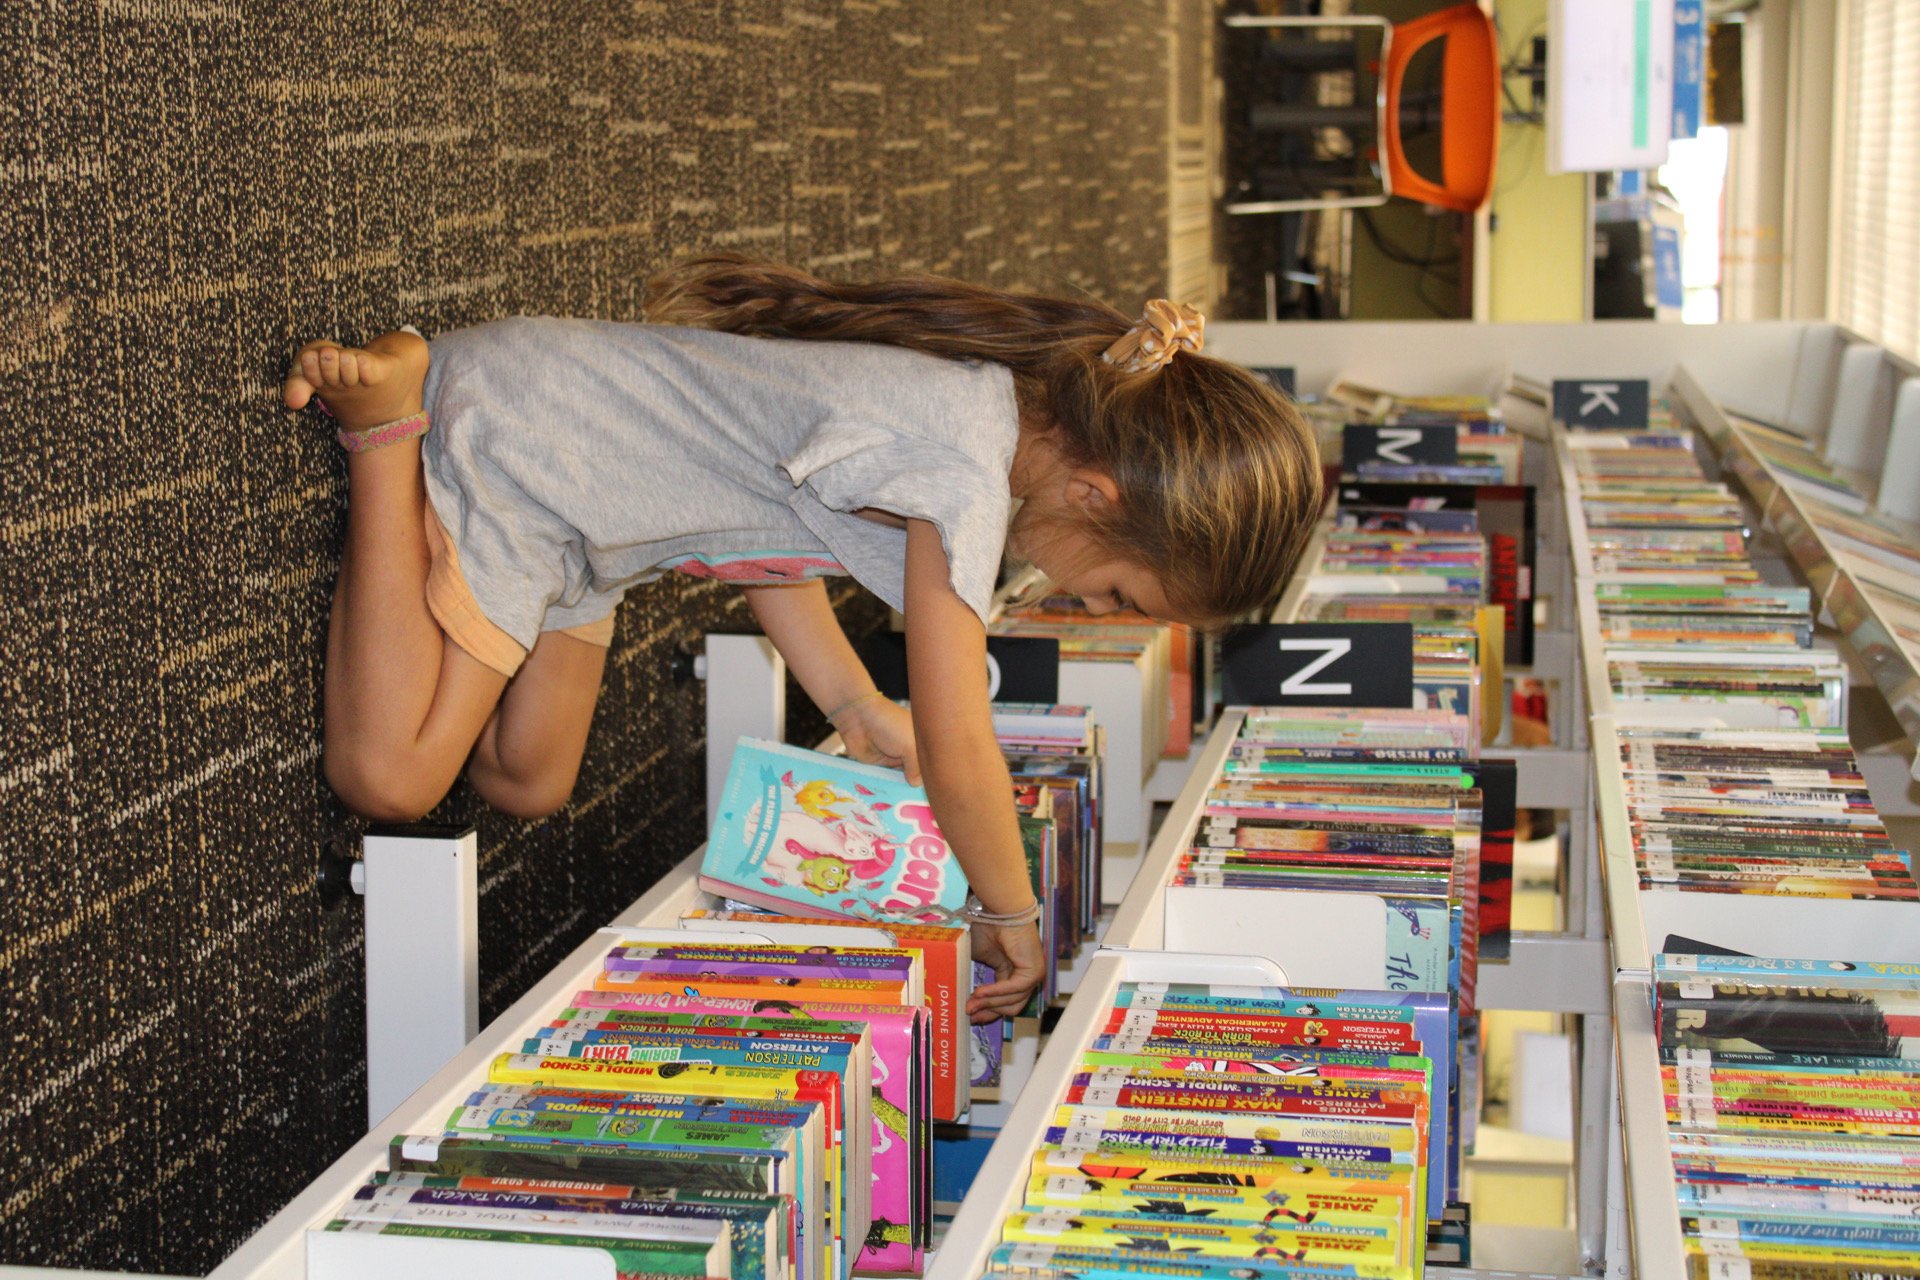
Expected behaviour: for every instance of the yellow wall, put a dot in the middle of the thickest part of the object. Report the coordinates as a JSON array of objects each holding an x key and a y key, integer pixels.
[{"x": 1538, "y": 253}]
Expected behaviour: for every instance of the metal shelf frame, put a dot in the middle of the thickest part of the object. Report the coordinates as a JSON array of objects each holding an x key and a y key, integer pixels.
[{"x": 1837, "y": 588}]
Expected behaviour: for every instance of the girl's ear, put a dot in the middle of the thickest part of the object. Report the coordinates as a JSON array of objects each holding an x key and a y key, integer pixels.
[{"x": 1092, "y": 490}]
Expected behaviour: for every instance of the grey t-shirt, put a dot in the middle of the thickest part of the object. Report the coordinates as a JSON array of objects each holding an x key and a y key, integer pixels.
[{"x": 571, "y": 459}]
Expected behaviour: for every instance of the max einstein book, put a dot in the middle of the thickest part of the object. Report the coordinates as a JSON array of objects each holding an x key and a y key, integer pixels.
[{"x": 820, "y": 835}]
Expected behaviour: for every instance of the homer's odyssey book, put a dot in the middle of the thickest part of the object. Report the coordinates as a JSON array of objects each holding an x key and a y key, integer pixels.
[{"x": 829, "y": 837}]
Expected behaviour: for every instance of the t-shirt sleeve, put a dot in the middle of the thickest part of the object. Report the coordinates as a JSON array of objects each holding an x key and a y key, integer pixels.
[{"x": 842, "y": 467}]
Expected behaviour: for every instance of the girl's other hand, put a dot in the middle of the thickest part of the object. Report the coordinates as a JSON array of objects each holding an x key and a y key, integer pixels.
[
  {"x": 1018, "y": 967},
  {"x": 880, "y": 731}
]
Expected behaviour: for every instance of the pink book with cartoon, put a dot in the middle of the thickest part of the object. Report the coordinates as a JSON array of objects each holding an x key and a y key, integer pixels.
[{"x": 817, "y": 835}]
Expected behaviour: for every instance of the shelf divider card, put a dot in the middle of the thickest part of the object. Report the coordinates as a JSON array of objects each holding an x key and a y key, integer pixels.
[{"x": 1140, "y": 921}]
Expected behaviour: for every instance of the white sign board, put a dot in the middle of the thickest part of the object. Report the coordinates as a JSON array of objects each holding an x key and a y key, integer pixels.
[{"x": 1609, "y": 84}]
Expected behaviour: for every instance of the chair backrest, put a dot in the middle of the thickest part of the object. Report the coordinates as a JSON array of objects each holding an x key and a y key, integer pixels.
[
  {"x": 1862, "y": 409},
  {"x": 1469, "y": 107},
  {"x": 1900, "y": 474},
  {"x": 1816, "y": 368}
]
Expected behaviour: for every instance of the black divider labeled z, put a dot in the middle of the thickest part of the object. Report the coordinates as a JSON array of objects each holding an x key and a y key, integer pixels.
[
  {"x": 1402, "y": 446},
  {"x": 1318, "y": 664},
  {"x": 1019, "y": 668}
]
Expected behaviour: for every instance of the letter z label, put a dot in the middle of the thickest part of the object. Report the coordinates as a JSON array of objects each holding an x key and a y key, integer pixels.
[{"x": 1331, "y": 651}]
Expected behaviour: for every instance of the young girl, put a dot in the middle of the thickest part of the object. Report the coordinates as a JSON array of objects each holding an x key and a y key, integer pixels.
[{"x": 906, "y": 432}]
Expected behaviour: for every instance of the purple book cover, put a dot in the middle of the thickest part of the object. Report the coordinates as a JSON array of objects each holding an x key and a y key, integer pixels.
[
  {"x": 989, "y": 1038},
  {"x": 637, "y": 960},
  {"x": 902, "y": 1219}
]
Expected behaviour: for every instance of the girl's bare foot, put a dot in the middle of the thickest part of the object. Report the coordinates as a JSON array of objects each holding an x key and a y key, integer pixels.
[{"x": 361, "y": 387}]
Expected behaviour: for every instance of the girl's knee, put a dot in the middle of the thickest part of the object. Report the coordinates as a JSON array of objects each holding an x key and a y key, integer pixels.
[
  {"x": 381, "y": 794},
  {"x": 537, "y": 798}
]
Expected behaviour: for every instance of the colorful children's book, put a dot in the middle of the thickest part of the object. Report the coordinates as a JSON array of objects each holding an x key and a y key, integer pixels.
[
  {"x": 848, "y": 1162},
  {"x": 948, "y": 955},
  {"x": 901, "y": 1098},
  {"x": 830, "y": 836}
]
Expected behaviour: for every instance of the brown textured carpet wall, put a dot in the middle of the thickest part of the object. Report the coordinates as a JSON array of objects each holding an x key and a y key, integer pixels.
[{"x": 188, "y": 189}]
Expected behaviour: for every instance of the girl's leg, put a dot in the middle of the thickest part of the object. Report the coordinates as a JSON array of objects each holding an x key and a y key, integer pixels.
[
  {"x": 403, "y": 703},
  {"x": 529, "y": 753}
]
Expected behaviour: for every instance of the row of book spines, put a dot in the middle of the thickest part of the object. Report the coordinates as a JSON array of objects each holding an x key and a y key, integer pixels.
[{"x": 946, "y": 953}]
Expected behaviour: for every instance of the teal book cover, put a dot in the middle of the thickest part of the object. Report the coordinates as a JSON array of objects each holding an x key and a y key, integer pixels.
[{"x": 821, "y": 835}]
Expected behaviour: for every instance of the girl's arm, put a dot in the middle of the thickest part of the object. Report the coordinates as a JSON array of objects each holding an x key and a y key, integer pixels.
[
  {"x": 800, "y": 622},
  {"x": 965, "y": 773}
]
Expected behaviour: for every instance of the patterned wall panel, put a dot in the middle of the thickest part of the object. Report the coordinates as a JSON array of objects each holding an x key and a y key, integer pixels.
[{"x": 188, "y": 190}]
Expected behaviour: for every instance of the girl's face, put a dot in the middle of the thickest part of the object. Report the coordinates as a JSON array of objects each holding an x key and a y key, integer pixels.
[
  {"x": 1050, "y": 533},
  {"x": 1078, "y": 566}
]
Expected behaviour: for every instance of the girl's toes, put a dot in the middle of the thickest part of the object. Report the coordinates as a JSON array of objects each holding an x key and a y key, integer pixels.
[{"x": 349, "y": 369}]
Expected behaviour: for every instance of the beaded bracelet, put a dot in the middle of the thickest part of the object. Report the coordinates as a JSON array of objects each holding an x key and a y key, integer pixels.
[
  {"x": 833, "y": 715},
  {"x": 972, "y": 911},
  {"x": 414, "y": 424},
  {"x": 976, "y": 911}
]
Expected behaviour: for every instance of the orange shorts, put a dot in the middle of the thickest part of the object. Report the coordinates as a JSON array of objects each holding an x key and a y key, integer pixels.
[{"x": 458, "y": 613}]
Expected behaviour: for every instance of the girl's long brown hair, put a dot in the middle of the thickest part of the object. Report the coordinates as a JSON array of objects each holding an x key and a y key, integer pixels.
[{"x": 1218, "y": 476}]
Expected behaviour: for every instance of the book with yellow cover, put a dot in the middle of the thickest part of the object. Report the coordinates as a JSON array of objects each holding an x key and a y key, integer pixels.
[{"x": 847, "y": 1164}]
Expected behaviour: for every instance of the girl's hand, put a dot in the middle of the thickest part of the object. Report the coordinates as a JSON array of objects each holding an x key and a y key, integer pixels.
[
  {"x": 880, "y": 731},
  {"x": 1018, "y": 965}
]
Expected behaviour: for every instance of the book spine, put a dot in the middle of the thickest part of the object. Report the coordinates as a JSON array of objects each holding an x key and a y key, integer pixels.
[
  {"x": 617, "y": 962},
  {"x": 1169, "y": 1096},
  {"x": 1308, "y": 1200},
  {"x": 1206, "y": 1239},
  {"x": 1184, "y": 1144},
  {"x": 1148, "y": 1164}
]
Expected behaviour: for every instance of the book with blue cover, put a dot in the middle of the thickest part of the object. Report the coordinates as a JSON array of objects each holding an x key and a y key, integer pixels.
[{"x": 821, "y": 835}]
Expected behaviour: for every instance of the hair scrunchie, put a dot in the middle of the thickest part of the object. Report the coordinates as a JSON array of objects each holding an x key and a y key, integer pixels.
[{"x": 1166, "y": 329}]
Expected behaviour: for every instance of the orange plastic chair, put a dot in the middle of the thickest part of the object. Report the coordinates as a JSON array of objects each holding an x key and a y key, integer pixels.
[{"x": 1469, "y": 108}]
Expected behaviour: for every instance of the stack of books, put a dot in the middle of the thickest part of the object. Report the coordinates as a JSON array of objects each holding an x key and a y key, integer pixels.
[
  {"x": 1485, "y": 453},
  {"x": 1745, "y": 811},
  {"x": 1056, "y": 756},
  {"x": 1212, "y": 1130},
  {"x": 1741, "y": 688},
  {"x": 1793, "y": 1110},
  {"x": 707, "y": 1109},
  {"x": 1368, "y": 801},
  {"x": 1367, "y": 564},
  {"x": 1797, "y": 464},
  {"x": 1165, "y": 652},
  {"x": 1734, "y": 759}
]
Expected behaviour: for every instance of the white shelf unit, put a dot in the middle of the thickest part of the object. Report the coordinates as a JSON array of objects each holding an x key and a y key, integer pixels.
[
  {"x": 1639, "y": 919},
  {"x": 1840, "y": 583}
]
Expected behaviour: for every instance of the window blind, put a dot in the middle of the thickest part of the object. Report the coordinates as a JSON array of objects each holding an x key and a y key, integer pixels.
[{"x": 1874, "y": 288}]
